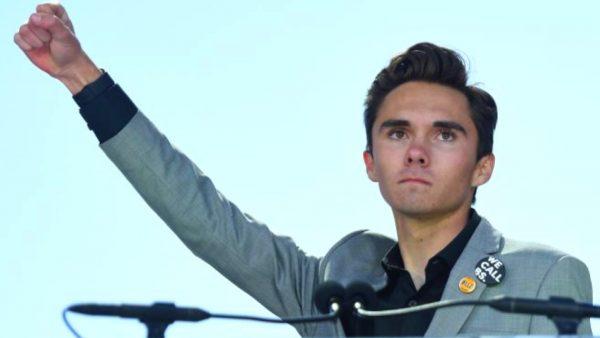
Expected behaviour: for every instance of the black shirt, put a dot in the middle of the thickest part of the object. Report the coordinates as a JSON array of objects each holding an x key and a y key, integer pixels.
[{"x": 400, "y": 291}]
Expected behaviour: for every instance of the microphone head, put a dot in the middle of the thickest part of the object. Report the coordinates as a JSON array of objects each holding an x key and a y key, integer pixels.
[
  {"x": 327, "y": 293},
  {"x": 361, "y": 292}
]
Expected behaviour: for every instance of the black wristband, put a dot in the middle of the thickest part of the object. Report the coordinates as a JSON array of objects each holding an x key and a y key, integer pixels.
[{"x": 94, "y": 89}]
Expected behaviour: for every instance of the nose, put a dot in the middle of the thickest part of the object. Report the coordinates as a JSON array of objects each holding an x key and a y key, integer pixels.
[{"x": 416, "y": 156}]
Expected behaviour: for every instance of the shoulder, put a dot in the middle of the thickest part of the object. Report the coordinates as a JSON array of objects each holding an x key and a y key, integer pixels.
[
  {"x": 530, "y": 267},
  {"x": 560, "y": 268},
  {"x": 545, "y": 270},
  {"x": 556, "y": 274},
  {"x": 529, "y": 250},
  {"x": 532, "y": 270},
  {"x": 541, "y": 255},
  {"x": 522, "y": 255}
]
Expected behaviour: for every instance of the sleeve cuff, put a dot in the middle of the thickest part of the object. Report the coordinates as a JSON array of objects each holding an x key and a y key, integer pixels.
[
  {"x": 105, "y": 107},
  {"x": 94, "y": 89}
]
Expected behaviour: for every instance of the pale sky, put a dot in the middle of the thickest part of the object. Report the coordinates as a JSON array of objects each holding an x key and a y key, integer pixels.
[{"x": 267, "y": 100}]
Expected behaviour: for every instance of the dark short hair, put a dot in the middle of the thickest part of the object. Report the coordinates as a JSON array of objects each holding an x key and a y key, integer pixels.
[{"x": 430, "y": 63}]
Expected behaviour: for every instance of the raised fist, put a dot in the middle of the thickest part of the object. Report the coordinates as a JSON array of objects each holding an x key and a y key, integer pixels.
[{"x": 48, "y": 39}]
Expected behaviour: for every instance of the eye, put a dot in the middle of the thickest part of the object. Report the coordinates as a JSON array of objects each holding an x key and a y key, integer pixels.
[
  {"x": 446, "y": 135},
  {"x": 397, "y": 134}
]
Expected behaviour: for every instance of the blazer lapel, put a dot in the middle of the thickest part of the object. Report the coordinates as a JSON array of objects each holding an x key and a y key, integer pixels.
[{"x": 447, "y": 321}]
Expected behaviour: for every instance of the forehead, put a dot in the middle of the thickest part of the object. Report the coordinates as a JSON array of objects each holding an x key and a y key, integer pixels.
[{"x": 423, "y": 103}]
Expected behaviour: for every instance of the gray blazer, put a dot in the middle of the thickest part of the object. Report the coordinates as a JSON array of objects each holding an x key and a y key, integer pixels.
[{"x": 279, "y": 275}]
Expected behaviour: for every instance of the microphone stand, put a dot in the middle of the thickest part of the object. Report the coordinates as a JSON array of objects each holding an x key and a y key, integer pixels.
[
  {"x": 159, "y": 316},
  {"x": 565, "y": 313},
  {"x": 565, "y": 325},
  {"x": 157, "y": 326}
]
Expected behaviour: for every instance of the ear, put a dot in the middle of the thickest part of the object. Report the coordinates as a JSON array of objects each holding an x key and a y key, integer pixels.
[
  {"x": 370, "y": 166},
  {"x": 483, "y": 170}
]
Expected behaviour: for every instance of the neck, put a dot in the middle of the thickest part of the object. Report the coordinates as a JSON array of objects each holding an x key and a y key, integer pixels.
[{"x": 422, "y": 237}]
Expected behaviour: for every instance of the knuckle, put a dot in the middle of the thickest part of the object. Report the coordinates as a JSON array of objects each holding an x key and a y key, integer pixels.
[
  {"x": 37, "y": 31},
  {"x": 22, "y": 44},
  {"x": 44, "y": 8},
  {"x": 23, "y": 29}
]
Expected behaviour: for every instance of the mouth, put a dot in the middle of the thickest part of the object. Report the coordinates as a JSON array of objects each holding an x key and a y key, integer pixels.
[{"x": 415, "y": 180}]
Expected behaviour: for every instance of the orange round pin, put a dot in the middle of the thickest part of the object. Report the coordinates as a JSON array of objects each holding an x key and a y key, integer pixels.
[{"x": 467, "y": 285}]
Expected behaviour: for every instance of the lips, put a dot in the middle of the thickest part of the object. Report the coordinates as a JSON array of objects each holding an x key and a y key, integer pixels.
[{"x": 416, "y": 180}]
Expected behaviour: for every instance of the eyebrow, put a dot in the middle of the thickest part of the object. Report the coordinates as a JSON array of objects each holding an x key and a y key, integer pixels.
[
  {"x": 438, "y": 124},
  {"x": 394, "y": 123},
  {"x": 450, "y": 125}
]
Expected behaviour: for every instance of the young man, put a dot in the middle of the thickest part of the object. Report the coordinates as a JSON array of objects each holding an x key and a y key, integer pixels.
[{"x": 429, "y": 146}]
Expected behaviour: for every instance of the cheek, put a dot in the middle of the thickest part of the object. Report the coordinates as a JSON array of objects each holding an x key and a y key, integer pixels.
[
  {"x": 457, "y": 171},
  {"x": 388, "y": 162}
]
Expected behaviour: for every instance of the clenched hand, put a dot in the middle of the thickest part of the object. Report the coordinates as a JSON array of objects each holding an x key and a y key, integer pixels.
[{"x": 48, "y": 39}]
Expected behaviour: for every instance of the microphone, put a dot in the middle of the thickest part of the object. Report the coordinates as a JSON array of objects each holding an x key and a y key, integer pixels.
[
  {"x": 166, "y": 312},
  {"x": 329, "y": 296},
  {"x": 555, "y": 306},
  {"x": 360, "y": 295}
]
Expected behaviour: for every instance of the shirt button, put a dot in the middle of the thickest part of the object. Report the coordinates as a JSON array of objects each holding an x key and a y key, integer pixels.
[{"x": 412, "y": 303}]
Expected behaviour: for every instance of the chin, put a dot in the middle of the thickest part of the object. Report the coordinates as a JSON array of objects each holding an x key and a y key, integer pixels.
[
  {"x": 423, "y": 207},
  {"x": 415, "y": 211},
  {"x": 416, "y": 206}
]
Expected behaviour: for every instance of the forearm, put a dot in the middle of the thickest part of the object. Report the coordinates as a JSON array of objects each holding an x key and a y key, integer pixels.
[{"x": 81, "y": 73}]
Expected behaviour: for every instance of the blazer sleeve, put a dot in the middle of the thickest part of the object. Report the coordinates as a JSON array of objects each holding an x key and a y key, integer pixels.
[
  {"x": 270, "y": 268},
  {"x": 567, "y": 277}
]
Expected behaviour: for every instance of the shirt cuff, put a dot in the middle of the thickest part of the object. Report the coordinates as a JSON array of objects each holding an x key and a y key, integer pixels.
[{"x": 105, "y": 107}]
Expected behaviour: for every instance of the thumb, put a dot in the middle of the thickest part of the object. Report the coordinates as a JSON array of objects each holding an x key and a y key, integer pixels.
[{"x": 51, "y": 23}]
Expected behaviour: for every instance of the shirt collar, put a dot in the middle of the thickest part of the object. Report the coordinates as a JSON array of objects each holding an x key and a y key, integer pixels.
[{"x": 392, "y": 261}]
